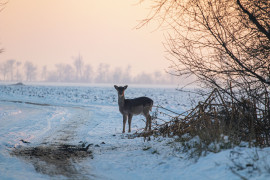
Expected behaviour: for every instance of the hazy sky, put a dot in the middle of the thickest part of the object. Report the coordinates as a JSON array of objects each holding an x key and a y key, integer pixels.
[{"x": 102, "y": 31}]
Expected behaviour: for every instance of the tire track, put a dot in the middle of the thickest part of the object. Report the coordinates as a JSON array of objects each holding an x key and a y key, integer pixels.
[
  {"x": 67, "y": 132},
  {"x": 58, "y": 151}
]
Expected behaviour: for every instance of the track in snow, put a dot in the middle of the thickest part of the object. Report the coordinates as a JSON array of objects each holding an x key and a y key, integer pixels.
[{"x": 59, "y": 149}]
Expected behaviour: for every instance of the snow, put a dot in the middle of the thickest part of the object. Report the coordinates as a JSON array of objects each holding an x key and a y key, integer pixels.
[{"x": 40, "y": 115}]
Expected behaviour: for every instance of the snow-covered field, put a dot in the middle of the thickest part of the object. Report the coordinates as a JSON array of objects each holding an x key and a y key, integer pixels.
[{"x": 36, "y": 117}]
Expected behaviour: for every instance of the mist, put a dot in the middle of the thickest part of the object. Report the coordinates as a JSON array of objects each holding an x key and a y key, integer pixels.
[{"x": 79, "y": 72}]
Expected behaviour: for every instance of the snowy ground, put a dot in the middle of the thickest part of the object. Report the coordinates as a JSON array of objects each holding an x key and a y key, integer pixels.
[{"x": 35, "y": 118}]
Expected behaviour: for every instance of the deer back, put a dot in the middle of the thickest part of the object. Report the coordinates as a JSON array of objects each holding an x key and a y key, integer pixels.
[{"x": 138, "y": 105}]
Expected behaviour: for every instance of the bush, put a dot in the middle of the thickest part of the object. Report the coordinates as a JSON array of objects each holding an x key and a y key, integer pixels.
[{"x": 217, "y": 124}]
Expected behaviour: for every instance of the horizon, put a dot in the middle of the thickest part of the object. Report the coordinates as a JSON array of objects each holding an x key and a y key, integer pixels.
[
  {"x": 79, "y": 72},
  {"x": 74, "y": 84}
]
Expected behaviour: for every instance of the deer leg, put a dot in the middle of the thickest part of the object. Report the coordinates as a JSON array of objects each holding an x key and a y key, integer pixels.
[
  {"x": 149, "y": 122},
  {"x": 129, "y": 122},
  {"x": 146, "y": 123},
  {"x": 124, "y": 122}
]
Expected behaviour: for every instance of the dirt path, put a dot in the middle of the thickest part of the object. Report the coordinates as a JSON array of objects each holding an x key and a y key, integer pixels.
[{"x": 60, "y": 150}]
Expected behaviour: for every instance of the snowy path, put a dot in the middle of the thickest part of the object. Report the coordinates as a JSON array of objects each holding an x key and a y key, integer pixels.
[
  {"x": 33, "y": 129},
  {"x": 44, "y": 124},
  {"x": 67, "y": 131},
  {"x": 116, "y": 156}
]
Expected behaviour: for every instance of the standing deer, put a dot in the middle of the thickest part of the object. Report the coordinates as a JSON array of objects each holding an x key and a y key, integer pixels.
[{"x": 130, "y": 107}]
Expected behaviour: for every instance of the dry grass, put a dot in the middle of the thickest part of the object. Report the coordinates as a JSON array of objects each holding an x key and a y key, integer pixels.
[{"x": 218, "y": 124}]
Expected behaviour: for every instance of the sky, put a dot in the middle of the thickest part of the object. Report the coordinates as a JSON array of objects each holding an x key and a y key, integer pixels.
[{"x": 48, "y": 32}]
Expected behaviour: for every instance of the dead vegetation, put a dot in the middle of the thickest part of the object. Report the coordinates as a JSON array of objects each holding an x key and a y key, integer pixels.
[{"x": 217, "y": 123}]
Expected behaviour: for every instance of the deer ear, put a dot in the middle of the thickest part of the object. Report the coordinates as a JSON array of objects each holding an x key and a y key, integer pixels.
[
  {"x": 125, "y": 86},
  {"x": 116, "y": 87}
]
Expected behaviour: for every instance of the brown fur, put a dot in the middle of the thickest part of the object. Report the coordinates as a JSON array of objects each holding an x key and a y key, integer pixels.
[{"x": 130, "y": 107}]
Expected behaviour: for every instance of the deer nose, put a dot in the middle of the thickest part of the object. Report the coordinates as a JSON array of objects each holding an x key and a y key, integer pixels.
[{"x": 121, "y": 94}]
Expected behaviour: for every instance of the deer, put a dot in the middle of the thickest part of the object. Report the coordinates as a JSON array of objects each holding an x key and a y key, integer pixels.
[{"x": 136, "y": 106}]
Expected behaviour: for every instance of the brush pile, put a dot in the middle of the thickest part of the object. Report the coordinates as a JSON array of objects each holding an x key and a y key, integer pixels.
[{"x": 217, "y": 120}]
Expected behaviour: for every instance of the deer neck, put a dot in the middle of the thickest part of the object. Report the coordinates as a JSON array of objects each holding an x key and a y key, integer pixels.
[{"x": 121, "y": 101}]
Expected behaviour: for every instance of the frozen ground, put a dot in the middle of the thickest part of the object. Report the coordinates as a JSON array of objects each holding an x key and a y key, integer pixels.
[{"x": 65, "y": 132}]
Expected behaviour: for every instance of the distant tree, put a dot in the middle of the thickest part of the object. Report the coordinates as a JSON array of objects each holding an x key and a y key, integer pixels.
[
  {"x": 159, "y": 78},
  {"x": 4, "y": 70},
  {"x": 68, "y": 73},
  {"x": 78, "y": 63},
  {"x": 59, "y": 72},
  {"x": 103, "y": 73},
  {"x": 143, "y": 78},
  {"x": 44, "y": 73},
  {"x": 118, "y": 76},
  {"x": 121, "y": 75},
  {"x": 87, "y": 73},
  {"x": 10, "y": 68},
  {"x": 2, "y": 6},
  {"x": 63, "y": 73},
  {"x": 30, "y": 71},
  {"x": 18, "y": 74},
  {"x": 127, "y": 75}
]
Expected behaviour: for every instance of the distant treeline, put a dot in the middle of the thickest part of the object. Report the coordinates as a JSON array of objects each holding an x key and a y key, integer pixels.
[{"x": 79, "y": 71}]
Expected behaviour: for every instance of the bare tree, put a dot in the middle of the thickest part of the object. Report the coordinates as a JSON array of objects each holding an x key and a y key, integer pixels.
[
  {"x": 144, "y": 78},
  {"x": 226, "y": 45},
  {"x": 2, "y": 7},
  {"x": 64, "y": 73},
  {"x": 127, "y": 75},
  {"x": 30, "y": 71},
  {"x": 68, "y": 73},
  {"x": 4, "y": 70},
  {"x": 18, "y": 74},
  {"x": 118, "y": 75},
  {"x": 60, "y": 72},
  {"x": 103, "y": 73},
  {"x": 44, "y": 73},
  {"x": 87, "y": 73},
  {"x": 78, "y": 63},
  {"x": 10, "y": 67}
]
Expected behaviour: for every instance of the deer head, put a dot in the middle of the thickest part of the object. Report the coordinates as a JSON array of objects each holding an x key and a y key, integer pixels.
[{"x": 120, "y": 90}]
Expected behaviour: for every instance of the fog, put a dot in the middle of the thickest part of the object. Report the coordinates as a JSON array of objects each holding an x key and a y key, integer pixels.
[{"x": 79, "y": 72}]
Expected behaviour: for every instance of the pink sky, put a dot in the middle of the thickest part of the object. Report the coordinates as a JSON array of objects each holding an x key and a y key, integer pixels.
[{"x": 47, "y": 32}]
